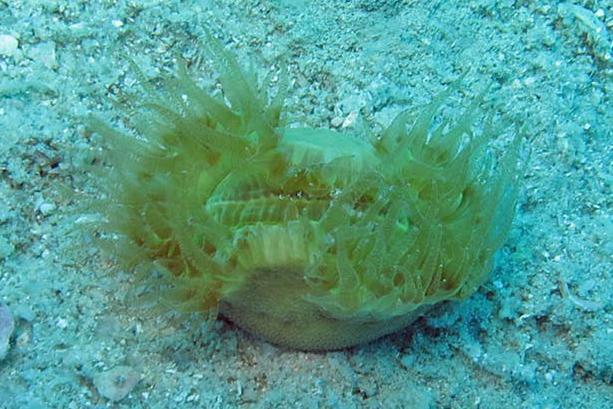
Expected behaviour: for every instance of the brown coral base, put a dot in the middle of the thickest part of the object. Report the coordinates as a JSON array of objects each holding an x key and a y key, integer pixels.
[{"x": 271, "y": 305}]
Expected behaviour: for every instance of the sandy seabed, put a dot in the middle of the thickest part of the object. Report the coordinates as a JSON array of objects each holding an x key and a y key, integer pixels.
[{"x": 538, "y": 334}]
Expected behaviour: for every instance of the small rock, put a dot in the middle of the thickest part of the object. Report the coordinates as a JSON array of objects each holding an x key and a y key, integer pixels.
[
  {"x": 589, "y": 23},
  {"x": 44, "y": 53},
  {"x": 7, "y": 326},
  {"x": 337, "y": 121},
  {"x": 116, "y": 383},
  {"x": 23, "y": 338},
  {"x": 350, "y": 120},
  {"x": 46, "y": 208},
  {"x": 8, "y": 45},
  {"x": 408, "y": 361}
]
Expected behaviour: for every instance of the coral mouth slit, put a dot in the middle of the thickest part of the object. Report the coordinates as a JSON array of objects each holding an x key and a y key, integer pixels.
[{"x": 310, "y": 238}]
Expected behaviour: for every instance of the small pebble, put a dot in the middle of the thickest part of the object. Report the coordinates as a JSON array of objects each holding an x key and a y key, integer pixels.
[
  {"x": 7, "y": 326},
  {"x": 44, "y": 53},
  {"x": 116, "y": 383},
  {"x": 350, "y": 120},
  {"x": 589, "y": 23},
  {"x": 8, "y": 45},
  {"x": 46, "y": 208},
  {"x": 408, "y": 361},
  {"x": 337, "y": 121}
]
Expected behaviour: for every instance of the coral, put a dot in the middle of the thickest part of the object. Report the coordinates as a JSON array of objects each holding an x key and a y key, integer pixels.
[{"x": 310, "y": 238}]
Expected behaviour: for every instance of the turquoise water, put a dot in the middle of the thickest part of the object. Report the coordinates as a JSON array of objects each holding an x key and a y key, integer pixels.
[{"x": 535, "y": 335}]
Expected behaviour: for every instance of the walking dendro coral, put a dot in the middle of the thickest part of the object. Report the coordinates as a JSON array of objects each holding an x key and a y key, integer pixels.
[{"x": 310, "y": 238}]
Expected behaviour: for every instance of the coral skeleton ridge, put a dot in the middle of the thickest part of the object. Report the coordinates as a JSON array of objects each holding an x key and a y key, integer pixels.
[{"x": 311, "y": 238}]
